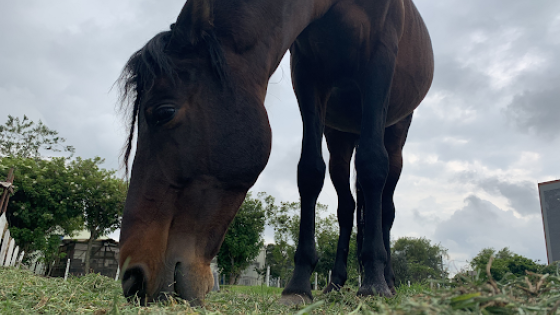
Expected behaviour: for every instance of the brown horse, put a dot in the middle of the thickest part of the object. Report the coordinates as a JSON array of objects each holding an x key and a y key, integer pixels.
[{"x": 359, "y": 68}]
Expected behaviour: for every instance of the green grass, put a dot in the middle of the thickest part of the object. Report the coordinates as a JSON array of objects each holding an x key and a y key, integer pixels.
[{"x": 21, "y": 292}]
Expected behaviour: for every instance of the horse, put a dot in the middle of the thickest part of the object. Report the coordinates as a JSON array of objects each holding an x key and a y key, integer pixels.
[{"x": 195, "y": 95}]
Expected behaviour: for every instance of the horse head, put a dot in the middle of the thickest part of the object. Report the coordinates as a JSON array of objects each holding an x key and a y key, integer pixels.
[{"x": 202, "y": 140}]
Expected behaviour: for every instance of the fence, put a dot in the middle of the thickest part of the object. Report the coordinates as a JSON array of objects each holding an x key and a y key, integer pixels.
[{"x": 10, "y": 254}]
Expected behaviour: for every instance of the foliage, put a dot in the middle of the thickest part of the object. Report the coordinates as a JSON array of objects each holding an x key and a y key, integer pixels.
[
  {"x": 285, "y": 220},
  {"x": 44, "y": 206},
  {"x": 243, "y": 240},
  {"x": 417, "y": 260},
  {"x": 24, "y": 293},
  {"x": 505, "y": 261},
  {"x": 24, "y": 138},
  {"x": 280, "y": 259},
  {"x": 55, "y": 197},
  {"x": 102, "y": 196}
]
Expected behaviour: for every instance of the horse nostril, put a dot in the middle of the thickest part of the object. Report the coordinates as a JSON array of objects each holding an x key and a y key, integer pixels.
[{"x": 134, "y": 283}]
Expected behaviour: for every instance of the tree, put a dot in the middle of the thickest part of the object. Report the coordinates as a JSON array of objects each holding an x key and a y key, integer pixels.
[
  {"x": 44, "y": 205},
  {"x": 417, "y": 260},
  {"x": 55, "y": 197},
  {"x": 505, "y": 261},
  {"x": 280, "y": 259},
  {"x": 285, "y": 220},
  {"x": 102, "y": 196},
  {"x": 243, "y": 240},
  {"x": 24, "y": 138}
]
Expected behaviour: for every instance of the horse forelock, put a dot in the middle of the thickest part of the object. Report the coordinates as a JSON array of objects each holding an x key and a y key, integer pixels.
[{"x": 149, "y": 63}]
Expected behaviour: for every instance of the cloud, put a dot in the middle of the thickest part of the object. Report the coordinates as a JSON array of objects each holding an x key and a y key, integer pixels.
[
  {"x": 537, "y": 111},
  {"x": 481, "y": 224}
]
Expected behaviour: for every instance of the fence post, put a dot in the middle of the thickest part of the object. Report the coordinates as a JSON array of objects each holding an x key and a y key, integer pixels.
[
  {"x": 330, "y": 273},
  {"x": 315, "y": 281},
  {"x": 67, "y": 269},
  {"x": 118, "y": 271},
  {"x": 359, "y": 280},
  {"x": 20, "y": 258},
  {"x": 267, "y": 275},
  {"x": 14, "y": 256},
  {"x": 5, "y": 245},
  {"x": 216, "y": 286},
  {"x": 10, "y": 252}
]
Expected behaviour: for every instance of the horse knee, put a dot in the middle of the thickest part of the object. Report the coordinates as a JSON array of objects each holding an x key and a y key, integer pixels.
[
  {"x": 372, "y": 168},
  {"x": 388, "y": 214},
  {"x": 311, "y": 176}
]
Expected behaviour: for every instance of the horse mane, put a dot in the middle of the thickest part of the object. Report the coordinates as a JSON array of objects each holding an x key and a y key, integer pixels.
[{"x": 151, "y": 61}]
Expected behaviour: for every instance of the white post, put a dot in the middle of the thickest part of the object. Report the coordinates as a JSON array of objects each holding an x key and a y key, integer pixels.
[
  {"x": 117, "y": 275},
  {"x": 267, "y": 276},
  {"x": 315, "y": 281},
  {"x": 409, "y": 283},
  {"x": 279, "y": 281},
  {"x": 359, "y": 280},
  {"x": 18, "y": 262},
  {"x": 330, "y": 273},
  {"x": 10, "y": 251},
  {"x": 67, "y": 269},
  {"x": 5, "y": 245},
  {"x": 14, "y": 256}
]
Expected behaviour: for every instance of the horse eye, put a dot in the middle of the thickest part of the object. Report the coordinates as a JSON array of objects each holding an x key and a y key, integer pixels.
[{"x": 163, "y": 114}]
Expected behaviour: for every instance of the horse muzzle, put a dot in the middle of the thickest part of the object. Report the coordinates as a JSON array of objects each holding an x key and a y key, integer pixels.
[{"x": 190, "y": 282}]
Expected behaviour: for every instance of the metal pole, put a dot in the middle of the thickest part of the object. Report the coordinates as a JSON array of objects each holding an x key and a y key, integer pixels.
[
  {"x": 67, "y": 269},
  {"x": 117, "y": 275}
]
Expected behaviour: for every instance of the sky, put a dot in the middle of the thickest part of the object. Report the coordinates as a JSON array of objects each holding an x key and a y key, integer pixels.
[{"x": 482, "y": 139}]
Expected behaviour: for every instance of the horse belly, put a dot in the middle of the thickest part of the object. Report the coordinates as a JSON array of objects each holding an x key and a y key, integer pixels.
[{"x": 335, "y": 44}]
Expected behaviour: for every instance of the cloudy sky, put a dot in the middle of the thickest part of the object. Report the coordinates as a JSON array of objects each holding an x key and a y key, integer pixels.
[{"x": 483, "y": 138}]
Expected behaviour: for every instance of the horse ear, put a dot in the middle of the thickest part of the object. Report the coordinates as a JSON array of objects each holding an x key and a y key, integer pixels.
[{"x": 194, "y": 21}]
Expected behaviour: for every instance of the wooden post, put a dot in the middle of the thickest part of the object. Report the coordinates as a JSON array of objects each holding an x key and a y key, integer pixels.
[
  {"x": 7, "y": 190},
  {"x": 14, "y": 255},
  {"x": 20, "y": 259},
  {"x": 5, "y": 244},
  {"x": 10, "y": 252}
]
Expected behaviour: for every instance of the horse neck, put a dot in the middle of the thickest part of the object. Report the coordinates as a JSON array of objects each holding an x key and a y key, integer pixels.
[{"x": 263, "y": 30}]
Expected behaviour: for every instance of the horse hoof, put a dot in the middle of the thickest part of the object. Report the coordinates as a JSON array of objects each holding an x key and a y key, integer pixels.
[
  {"x": 375, "y": 290},
  {"x": 332, "y": 287},
  {"x": 295, "y": 299}
]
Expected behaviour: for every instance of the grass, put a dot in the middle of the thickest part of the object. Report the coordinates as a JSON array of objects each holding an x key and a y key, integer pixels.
[{"x": 22, "y": 292}]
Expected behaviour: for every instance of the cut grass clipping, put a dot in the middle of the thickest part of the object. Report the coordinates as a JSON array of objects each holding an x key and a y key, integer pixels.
[{"x": 22, "y": 292}]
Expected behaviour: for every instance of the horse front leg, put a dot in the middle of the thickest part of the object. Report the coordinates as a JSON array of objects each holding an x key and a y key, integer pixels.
[
  {"x": 341, "y": 146},
  {"x": 372, "y": 166},
  {"x": 311, "y": 176}
]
